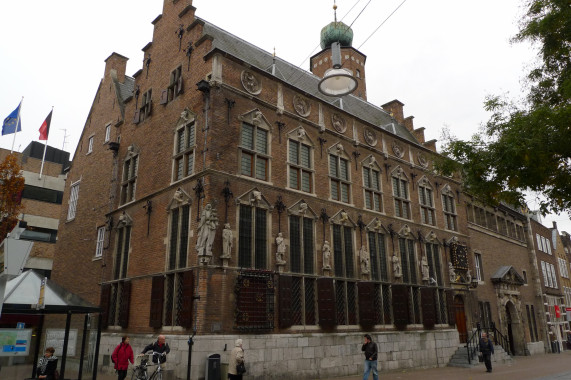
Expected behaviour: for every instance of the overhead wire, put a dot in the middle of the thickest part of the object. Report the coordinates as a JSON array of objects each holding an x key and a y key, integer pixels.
[{"x": 382, "y": 23}]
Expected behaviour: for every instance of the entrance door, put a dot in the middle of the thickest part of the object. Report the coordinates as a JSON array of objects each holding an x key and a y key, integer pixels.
[
  {"x": 510, "y": 331},
  {"x": 460, "y": 318}
]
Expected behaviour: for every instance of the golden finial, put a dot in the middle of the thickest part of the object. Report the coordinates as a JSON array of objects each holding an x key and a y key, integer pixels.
[{"x": 335, "y": 10}]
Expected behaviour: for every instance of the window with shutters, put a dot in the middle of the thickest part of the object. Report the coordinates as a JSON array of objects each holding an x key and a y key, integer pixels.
[
  {"x": 426, "y": 200},
  {"x": 400, "y": 195},
  {"x": 175, "y": 84},
  {"x": 146, "y": 106},
  {"x": 339, "y": 178},
  {"x": 300, "y": 166},
  {"x": 100, "y": 241},
  {"x": 254, "y": 297},
  {"x": 343, "y": 256},
  {"x": 449, "y": 208},
  {"x": 184, "y": 151},
  {"x": 73, "y": 196},
  {"x": 255, "y": 154},
  {"x": 372, "y": 186},
  {"x": 129, "y": 177},
  {"x": 252, "y": 237},
  {"x": 378, "y": 260},
  {"x": 301, "y": 244},
  {"x": 434, "y": 263}
]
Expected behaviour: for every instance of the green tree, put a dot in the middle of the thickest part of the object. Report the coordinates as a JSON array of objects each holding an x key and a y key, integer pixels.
[
  {"x": 526, "y": 146},
  {"x": 11, "y": 186}
]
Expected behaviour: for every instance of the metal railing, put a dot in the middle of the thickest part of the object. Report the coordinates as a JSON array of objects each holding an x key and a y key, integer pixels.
[{"x": 473, "y": 341}]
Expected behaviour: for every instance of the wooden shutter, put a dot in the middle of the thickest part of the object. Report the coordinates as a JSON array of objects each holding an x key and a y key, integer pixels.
[
  {"x": 450, "y": 307},
  {"x": 179, "y": 86},
  {"x": 400, "y": 305},
  {"x": 164, "y": 97},
  {"x": 428, "y": 305},
  {"x": 285, "y": 301},
  {"x": 185, "y": 313},
  {"x": 366, "y": 292},
  {"x": 125, "y": 304},
  {"x": 157, "y": 299},
  {"x": 326, "y": 302},
  {"x": 137, "y": 117},
  {"x": 104, "y": 304},
  {"x": 149, "y": 108}
]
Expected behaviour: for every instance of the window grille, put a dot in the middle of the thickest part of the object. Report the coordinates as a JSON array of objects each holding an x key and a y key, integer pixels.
[
  {"x": 254, "y": 294},
  {"x": 309, "y": 301},
  {"x": 340, "y": 300},
  {"x": 297, "y": 300}
]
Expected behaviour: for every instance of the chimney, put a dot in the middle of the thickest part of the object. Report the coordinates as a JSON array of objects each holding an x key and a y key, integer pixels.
[
  {"x": 395, "y": 108},
  {"x": 408, "y": 123},
  {"x": 118, "y": 63}
]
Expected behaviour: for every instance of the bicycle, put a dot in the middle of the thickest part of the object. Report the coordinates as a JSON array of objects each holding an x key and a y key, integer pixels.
[{"x": 140, "y": 372}]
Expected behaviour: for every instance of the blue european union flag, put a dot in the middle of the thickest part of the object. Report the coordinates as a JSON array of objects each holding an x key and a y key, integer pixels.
[{"x": 9, "y": 125}]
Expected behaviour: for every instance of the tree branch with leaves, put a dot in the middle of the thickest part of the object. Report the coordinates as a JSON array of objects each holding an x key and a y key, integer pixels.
[
  {"x": 11, "y": 187},
  {"x": 526, "y": 146}
]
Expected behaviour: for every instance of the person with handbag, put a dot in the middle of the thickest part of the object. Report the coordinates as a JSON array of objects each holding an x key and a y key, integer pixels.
[
  {"x": 236, "y": 367},
  {"x": 122, "y": 355},
  {"x": 47, "y": 365},
  {"x": 486, "y": 351}
]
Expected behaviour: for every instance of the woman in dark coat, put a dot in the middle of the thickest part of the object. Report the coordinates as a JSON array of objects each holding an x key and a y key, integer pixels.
[
  {"x": 47, "y": 365},
  {"x": 122, "y": 355}
]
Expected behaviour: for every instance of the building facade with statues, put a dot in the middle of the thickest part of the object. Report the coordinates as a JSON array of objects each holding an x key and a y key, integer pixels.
[{"x": 216, "y": 194}]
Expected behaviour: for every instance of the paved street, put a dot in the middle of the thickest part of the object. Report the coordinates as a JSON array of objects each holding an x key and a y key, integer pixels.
[{"x": 537, "y": 367}]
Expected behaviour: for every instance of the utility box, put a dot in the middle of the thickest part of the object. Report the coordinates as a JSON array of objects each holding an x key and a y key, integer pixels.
[{"x": 212, "y": 367}]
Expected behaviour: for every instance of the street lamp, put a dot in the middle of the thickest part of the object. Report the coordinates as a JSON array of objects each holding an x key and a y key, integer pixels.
[{"x": 337, "y": 81}]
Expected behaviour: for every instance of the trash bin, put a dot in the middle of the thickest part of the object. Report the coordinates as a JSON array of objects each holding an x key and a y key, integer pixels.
[
  {"x": 223, "y": 371},
  {"x": 212, "y": 367}
]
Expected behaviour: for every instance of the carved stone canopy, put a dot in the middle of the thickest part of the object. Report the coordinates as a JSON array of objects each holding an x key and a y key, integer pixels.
[
  {"x": 507, "y": 275},
  {"x": 179, "y": 198},
  {"x": 342, "y": 217},
  {"x": 124, "y": 220},
  {"x": 254, "y": 197},
  {"x": 256, "y": 117},
  {"x": 301, "y": 208}
]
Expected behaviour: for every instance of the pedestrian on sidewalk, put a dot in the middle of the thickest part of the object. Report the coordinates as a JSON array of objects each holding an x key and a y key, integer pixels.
[
  {"x": 122, "y": 355},
  {"x": 486, "y": 350},
  {"x": 370, "y": 350},
  {"x": 236, "y": 359}
]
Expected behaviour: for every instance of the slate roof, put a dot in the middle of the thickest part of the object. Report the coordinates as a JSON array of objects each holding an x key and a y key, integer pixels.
[
  {"x": 297, "y": 77},
  {"x": 503, "y": 271}
]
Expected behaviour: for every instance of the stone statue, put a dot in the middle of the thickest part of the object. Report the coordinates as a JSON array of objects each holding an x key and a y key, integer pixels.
[
  {"x": 364, "y": 259},
  {"x": 344, "y": 217},
  {"x": 451, "y": 272},
  {"x": 424, "y": 267},
  {"x": 326, "y": 250},
  {"x": 468, "y": 276},
  {"x": 397, "y": 269},
  {"x": 206, "y": 231},
  {"x": 280, "y": 254},
  {"x": 227, "y": 242}
]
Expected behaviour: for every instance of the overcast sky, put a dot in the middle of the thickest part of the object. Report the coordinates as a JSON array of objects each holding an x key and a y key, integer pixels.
[{"x": 440, "y": 57}]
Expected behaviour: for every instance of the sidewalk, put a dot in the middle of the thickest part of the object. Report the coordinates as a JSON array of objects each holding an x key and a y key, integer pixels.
[{"x": 544, "y": 367}]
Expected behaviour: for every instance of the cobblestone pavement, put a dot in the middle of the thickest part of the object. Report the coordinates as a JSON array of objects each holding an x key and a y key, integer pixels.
[{"x": 537, "y": 367}]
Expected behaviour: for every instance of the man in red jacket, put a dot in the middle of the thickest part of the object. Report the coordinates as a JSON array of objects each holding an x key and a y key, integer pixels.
[{"x": 122, "y": 355}]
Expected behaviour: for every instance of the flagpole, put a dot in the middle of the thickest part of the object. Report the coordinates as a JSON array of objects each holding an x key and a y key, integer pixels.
[
  {"x": 17, "y": 123},
  {"x": 45, "y": 147}
]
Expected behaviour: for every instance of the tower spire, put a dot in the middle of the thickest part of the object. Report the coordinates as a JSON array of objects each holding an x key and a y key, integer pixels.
[{"x": 335, "y": 10}]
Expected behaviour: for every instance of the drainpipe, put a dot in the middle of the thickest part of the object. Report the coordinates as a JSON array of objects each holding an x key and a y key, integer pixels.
[{"x": 204, "y": 87}]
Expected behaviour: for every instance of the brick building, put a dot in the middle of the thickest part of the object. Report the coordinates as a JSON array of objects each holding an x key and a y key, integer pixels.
[
  {"x": 41, "y": 200},
  {"x": 217, "y": 191}
]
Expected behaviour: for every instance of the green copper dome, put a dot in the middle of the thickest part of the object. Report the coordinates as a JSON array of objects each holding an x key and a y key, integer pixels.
[{"x": 336, "y": 31}]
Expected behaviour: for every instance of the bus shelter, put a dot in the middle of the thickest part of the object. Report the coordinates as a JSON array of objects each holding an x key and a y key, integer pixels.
[{"x": 30, "y": 294}]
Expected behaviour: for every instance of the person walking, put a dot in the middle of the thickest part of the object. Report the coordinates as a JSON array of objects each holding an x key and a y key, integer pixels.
[
  {"x": 486, "y": 350},
  {"x": 370, "y": 350},
  {"x": 122, "y": 355},
  {"x": 161, "y": 347},
  {"x": 236, "y": 358},
  {"x": 47, "y": 365}
]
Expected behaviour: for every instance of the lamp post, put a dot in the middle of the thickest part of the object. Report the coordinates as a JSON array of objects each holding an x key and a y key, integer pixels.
[{"x": 337, "y": 81}]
